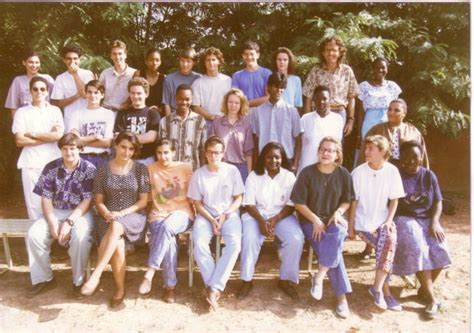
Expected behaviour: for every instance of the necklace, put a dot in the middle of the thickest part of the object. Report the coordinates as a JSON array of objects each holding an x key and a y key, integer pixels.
[{"x": 327, "y": 178}]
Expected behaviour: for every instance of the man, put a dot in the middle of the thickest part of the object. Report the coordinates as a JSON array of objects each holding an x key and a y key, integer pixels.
[
  {"x": 115, "y": 79},
  {"x": 253, "y": 78},
  {"x": 217, "y": 190},
  {"x": 140, "y": 119},
  {"x": 69, "y": 92},
  {"x": 209, "y": 90},
  {"x": 317, "y": 125},
  {"x": 94, "y": 125},
  {"x": 277, "y": 121},
  {"x": 184, "y": 75},
  {"x": 65, "y": 187},
  {"x": 186, "y": 129},
  {"x": 36, "y": 128}
]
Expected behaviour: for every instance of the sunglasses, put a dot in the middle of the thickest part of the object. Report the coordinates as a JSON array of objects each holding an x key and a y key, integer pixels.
[{"x": 36, "y": 89}]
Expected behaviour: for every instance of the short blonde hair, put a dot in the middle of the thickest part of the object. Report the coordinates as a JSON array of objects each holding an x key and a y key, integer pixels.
[
  {"x": 119, "y": 44},
  {"x": 244, "y": 104},
  {"x": 340, "y": 157},
  {"x": 381, "y": 143}
]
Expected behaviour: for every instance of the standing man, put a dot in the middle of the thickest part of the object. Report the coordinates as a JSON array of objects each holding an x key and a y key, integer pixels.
[
  {"x": 252, "y": 80},
  {"x": 318, "y": 124},
  {"x": 185, "y": 129},
  {"x": 115, "y": 79},
  {"x": 36, "y": 127},
  {"x": 69, "y": 92},
  {"x": 210, "y": 89},
  {"x": 94, "y": 125},
  {"x": 185, "y": 75},
  {"x": 217, "y": 190},
  {"x": 65, "y": 187},
  {"x": 140, "y": 119},
  {"x": 277, "y": 121}
]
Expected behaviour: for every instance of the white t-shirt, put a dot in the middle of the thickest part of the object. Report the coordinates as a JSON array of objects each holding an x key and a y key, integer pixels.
[
  {"x": 209, "y": 91},
  {"x": 216, "y": 189},
  {"x": 267, "y": 194},
  {"x": 315, "y": 128},
  {"x": 90, "y": 122},
  {"x": 19, "y": 92},
  {"x": 65, "y": 87},
  {"x": 33, "y": 119},
  {"x": 373, "y": 189}
]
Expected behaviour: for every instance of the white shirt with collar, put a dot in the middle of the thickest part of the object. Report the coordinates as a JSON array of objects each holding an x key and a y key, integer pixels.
[{"x": 116, "y": 91}]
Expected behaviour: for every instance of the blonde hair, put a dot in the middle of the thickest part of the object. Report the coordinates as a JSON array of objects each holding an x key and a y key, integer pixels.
[
  {"x": 119, "y": 44},
  {"x": 340, "y": 157},
  {"x": 244, "y": 104},
  {"x": 381, "y": 143}
]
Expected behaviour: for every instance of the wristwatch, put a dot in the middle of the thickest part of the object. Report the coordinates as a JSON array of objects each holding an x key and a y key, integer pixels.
[{"x": 70, "y": 222}]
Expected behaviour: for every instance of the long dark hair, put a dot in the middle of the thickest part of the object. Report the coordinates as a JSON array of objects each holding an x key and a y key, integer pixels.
[{"x": 260, "y": 165}]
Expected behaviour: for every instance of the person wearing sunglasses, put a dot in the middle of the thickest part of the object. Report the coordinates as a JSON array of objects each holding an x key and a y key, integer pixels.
[{"x": 37, "y": 128}]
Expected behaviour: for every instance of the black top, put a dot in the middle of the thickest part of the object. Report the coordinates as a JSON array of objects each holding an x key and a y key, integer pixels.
[{"x": 156, "y": 90}]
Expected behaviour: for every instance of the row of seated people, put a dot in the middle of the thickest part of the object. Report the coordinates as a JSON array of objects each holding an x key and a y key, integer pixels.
[{"x": 395, "y": 210}]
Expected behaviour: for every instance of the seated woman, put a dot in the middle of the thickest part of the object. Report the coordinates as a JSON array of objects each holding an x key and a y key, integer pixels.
[
  {"x": 120, "y": 191},
  {"x": 377, "y": 188},
  {"x": 421, "y": 249},
  {"x": 322, "y": 194},
  {"x": 396, "y": 131},
  {"x": 234, "y": 129},
  {"x": 171, "y": 213},
  {"x": 270, "y": 212}
]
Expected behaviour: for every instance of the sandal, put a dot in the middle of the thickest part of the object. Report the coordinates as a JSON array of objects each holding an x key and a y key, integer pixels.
[
  {"x": 432, "y": 310},
  {"x": 145, "y": 287}
]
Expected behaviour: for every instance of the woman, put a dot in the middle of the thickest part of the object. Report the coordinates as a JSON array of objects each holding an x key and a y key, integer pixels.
[
  {"x": 171, "y": 213},
  {"x": 234, "y": 129},
  {"x": 285, "y": 63},
  {"x": 155, "y": 79},
  {"x": 396, "y": 131},
  {"x": 19, "y": 92},
  {"x": 269, "y": 212},
  {"x": 120, "y": 191},
  {"x": 338, "y": 77},
  {"x": 377, "y": 188},
  {"x": 322, "y": 194},
  {"x": 421, "y": 249},
  {"x": 376, "y": 94}
]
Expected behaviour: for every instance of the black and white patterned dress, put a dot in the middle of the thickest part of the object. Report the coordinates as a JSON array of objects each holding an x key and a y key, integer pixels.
[{"x": 120, "y": 192}]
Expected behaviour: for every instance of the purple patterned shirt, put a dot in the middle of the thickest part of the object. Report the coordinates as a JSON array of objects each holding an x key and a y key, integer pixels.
[{"x": 66, "y": 189}]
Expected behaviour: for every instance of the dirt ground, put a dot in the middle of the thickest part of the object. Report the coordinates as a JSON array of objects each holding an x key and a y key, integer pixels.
[{"x": 265, "y": 309}]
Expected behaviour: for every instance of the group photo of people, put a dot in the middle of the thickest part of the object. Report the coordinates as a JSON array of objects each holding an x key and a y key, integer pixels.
[{"x": 226, "y": 168}]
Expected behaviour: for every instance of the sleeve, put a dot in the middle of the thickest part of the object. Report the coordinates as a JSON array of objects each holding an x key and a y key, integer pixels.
[
  {"x": 355, "y": 184},
  {"x": 154, "y": 121},
  {"x": 254, "y": 121},
  {"x": 203, "y": 129},
  {"x": 162, "y": 130},
  {"x": 45, "y": 185},
  {"x": 395, "y": 89},
  {"x": 363, "y": 92},
  {"x": 102, "y": 77},
  {"x": 298, "y": 93},
  {"x": 347, "y": 194},
  {"x": 291, "y": 179},
  {"x": 309, "y": 83},
  {"x": 396, "y": 185},
  {"x": 58, "y": 90},
  {"x": 143, "y": 178},
  {"x": 167, "y": 93},
  {"x": 238, "y": 186},
  {"x": 196, "y": 87},
  {"x": 13, "y": 100},
  {"x": 437, "y": 196},
  {"x": 213, "y": 128},
  {"x": 353, "y": 86},
  {"x": 299, "y": 195},
  {"x": 250, "y": 190},
  {"x": 119, "y": 122},
  {"x": 74, "y": 123},
  {"x": 248, "y": 141},
  {"x": 193, "y": 191},
  {"x": 51, "y": 83},
  {"x": 295, "y": 119},
  {"x": 58, "y": 117},
  {"x": 100, "y": 179},
  {"x": 19, "y": 124},
  {"x": 109, "y": 124},
  {"x": 235, "y": 80},
  {"x": 88, "y": 182}
]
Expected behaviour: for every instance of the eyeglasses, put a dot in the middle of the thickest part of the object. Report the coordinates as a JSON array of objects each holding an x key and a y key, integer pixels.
[
  {"x": 36, "y": 89},
  {"x": 327, "y": 150},
  {"x": 214, "y": 152}
]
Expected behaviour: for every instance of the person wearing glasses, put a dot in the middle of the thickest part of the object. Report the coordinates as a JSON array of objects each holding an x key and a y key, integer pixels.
[
  {"x": 217, "y": 190},
  {"x": 37, "y": 128},
  {"x": 317, "y": 125}
]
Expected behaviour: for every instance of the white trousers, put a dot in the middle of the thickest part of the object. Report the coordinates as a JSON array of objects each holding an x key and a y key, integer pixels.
[
  {"x": 29, "y": 177},
  {"x": 39, "y": 240}
]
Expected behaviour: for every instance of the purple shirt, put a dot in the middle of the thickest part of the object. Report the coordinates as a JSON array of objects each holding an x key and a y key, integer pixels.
[
  {"x": 422, "y": 191},
  {"x": 237, "y": 138},
  {"x": 253, "y": 84},
  {"x": 66, "y": 189}
]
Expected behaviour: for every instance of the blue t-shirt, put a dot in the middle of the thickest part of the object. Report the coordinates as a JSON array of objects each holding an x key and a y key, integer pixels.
[
  {"x": 172, "y": 81},
  {"x": 293, "y": 94},
  {"x": 253, "y": 84}
]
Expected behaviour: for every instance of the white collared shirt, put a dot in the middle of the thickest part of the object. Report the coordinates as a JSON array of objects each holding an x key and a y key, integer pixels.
[
  {"x": 268, "y": 194},
  {"x": 116, "y": 92}
]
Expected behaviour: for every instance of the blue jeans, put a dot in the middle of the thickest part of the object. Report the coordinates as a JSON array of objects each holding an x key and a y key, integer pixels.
[
  {"x": 329, "y": 251},
  {"x": 243, "y": 169},
  {"x": 164, "y": 247}
]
